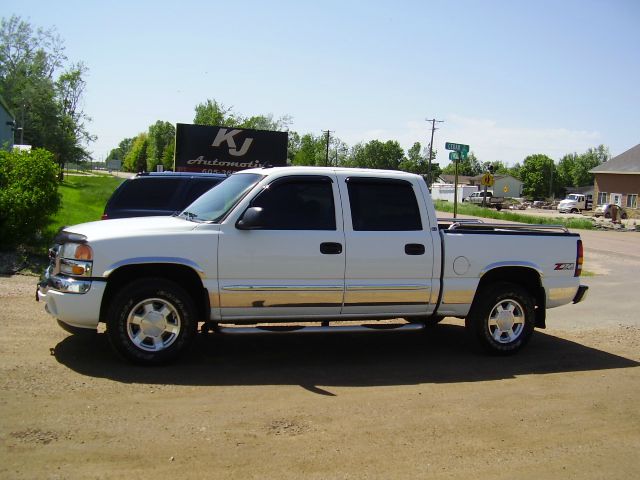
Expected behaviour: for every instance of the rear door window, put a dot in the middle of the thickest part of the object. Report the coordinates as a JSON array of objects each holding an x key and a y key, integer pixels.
[{"x": 383, "y": 205}]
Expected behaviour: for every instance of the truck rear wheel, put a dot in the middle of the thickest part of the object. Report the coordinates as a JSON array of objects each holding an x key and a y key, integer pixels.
[
  {"x": 151, "y": 321},
  {"x": 502, "y": 318}
]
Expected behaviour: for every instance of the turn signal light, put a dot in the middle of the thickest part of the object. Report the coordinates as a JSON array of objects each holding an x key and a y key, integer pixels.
[{"x": 77, "y": 270}]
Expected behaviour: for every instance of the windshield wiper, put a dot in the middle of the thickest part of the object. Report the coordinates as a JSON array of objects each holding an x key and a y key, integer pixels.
[{"x": 190, "y": 216}]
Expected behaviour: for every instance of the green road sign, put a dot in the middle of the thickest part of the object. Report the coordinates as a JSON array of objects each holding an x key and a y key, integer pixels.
[
  {"x": 457, "y": 147},
  {"x": 457, "y": 155}
]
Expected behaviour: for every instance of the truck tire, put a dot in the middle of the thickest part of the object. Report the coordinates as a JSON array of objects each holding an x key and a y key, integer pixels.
[
  {"x": 498, "y": 207},
  {"x": 502, "y": 318},
  {"x": 151, "y": 321}
]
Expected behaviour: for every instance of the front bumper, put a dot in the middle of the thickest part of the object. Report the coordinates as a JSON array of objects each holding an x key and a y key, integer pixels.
[
  {"x": 72, "y": 301},
  {"x": 581, "y": 294}
]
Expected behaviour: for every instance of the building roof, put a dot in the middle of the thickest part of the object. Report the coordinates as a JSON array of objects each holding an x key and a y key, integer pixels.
[
  {"x": 478, "y": 178},
  {"x": 626, "y": 163},
  {"x": 462, "y": 179}
]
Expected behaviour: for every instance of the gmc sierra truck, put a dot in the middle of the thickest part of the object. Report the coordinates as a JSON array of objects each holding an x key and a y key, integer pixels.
[{"x": 307, "y": 244}]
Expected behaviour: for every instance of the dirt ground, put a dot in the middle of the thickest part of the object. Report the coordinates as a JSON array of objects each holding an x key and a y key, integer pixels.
[{"x": 378, "y": 405}]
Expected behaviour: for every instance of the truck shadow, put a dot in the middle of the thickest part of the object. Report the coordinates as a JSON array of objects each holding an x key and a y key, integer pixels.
[{"x": 374, "y": 359}]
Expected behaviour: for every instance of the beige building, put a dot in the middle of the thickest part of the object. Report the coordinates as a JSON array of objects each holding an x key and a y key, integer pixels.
[
  {"x": 618, "y": 181},
  {"x": 504, "y": 185}
]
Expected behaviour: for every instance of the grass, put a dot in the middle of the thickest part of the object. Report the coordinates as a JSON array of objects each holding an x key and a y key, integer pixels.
[
  {"x": 476, "y": 211},
  {"x": 83, "y": 200}
]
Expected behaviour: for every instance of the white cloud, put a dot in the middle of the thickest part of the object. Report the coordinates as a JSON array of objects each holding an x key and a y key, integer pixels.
[{"x": 487, "y": 139}]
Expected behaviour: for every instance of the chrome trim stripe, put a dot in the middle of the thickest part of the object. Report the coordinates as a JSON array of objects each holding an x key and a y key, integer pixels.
[
  {"x": 511, "y": 264},
  {"x": 562, "y": 293},
  {"x": 359, "y": 288},
  {"x": 458, "y": 296},
  {"x": 283, "y": 288},
  {"x": 145, "y": 260}
]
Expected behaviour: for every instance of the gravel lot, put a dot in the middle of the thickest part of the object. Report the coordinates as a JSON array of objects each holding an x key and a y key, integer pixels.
[{"x": 348, "y": 406}]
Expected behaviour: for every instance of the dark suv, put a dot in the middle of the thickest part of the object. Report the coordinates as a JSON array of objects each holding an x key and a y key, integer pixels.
[{"x": 165, "y": 193}]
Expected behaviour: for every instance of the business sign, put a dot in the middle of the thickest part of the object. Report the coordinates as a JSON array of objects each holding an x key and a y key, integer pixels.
[{"x": 203, "y": 148}]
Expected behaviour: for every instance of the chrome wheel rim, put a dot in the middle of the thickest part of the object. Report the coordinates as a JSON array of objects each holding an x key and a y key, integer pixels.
[
  {"x": 506, "y": 321},
  {"x": 153, "y": 324}
]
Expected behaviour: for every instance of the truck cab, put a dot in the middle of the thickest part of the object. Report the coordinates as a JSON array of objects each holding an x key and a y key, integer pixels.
[{"x": 575, "y": 203}]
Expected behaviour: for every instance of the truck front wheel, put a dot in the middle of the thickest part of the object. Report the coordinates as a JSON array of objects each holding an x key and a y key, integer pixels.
[
  {"x": 151, "y": 321},
  {"x": 502, "y": 318}
]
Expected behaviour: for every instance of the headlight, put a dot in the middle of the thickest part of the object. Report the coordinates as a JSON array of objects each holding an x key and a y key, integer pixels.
[
  {"x": 76, "y": 259},
  {"x": 77, "y": 251}
]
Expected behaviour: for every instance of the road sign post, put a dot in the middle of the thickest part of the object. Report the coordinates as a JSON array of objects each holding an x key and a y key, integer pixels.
[{"x": 460, "y": 150}]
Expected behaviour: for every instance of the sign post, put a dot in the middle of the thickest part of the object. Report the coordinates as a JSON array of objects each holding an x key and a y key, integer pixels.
[{"x": 459, "y": 150}]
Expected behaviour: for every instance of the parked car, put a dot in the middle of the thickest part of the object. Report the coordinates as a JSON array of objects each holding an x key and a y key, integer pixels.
[
  {"x": 605, "y": 211},
  {"x": 154, "y": 194}
]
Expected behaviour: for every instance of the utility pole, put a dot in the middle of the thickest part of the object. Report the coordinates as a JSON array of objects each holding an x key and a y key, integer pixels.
[
  {"x": 433, "y": 129},
  {"x": 328, "y": 134}
]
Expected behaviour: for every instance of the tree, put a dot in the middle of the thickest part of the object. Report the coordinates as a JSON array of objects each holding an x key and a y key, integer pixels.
[
  {"x": 564, "y": 170},
  {"x": 212, "y": 112},
  {"x": 48, "y": 109},
  {"x": 121, "y": 151},
  {"x": 537, "y": 173},
  {"x": 136, "y": 159},
  {"x": 160, "y": 136},
  {"x": 587, "y": 161},
  {"x": 310, "y": 150},
  {"x": 376, "y": 154},
  {"x": 469, "y": 166},
  {"x": 266, "y": 122},
  {"x": 417, "y": 162},
  {"x": 514, "y": 171},
  {"x": 28, "y": 194},
  {"x": 573, "y": 169}
]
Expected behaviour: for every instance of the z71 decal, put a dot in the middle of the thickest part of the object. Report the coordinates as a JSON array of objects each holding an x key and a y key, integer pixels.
[{"x": 564, "y": 266}]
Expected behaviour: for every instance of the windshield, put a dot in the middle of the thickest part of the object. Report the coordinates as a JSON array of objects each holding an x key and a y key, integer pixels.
[
  {"x": 573, "y": 197},
  {"x": 214, "y": 205}
]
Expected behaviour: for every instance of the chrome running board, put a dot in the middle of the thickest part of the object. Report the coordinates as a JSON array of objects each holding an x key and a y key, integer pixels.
[{"x": 374, "y": 327}]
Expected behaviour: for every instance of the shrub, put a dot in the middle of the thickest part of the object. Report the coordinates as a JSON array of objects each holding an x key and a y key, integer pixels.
[{"x": 28, "y": 194}]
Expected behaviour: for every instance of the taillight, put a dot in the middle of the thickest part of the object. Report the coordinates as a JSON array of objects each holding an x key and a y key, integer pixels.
[
  {"x": 104, "y": 216},
  {"x": 579, "y": 259}
]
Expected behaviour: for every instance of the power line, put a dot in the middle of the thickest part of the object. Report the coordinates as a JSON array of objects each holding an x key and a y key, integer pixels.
[{"x": 433, "y": 129}]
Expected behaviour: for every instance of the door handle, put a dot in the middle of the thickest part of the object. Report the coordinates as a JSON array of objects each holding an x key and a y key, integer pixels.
[
  {"x": 414, "y": 249},
  {"x": 330, "y": 248}
]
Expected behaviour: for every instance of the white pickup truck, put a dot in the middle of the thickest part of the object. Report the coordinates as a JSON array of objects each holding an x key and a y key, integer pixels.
[
  {"x": 299, "y": 245},
  {"x": 478, "y": 198}
]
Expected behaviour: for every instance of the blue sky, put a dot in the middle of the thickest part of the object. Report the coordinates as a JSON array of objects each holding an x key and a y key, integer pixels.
[{"x": 510, "y": 78}]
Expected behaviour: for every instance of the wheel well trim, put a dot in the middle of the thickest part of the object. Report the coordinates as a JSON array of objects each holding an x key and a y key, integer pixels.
[
  {"x": 520, "y": 264},
  {"x": 154, "y": 260}
]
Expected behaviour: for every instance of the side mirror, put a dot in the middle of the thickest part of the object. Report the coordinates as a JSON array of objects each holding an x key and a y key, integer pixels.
[{"x": 251, "y": 219}]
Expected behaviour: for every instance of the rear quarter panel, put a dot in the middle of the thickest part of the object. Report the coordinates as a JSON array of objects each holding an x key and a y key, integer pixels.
[{"x": 468, "y": 256}]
